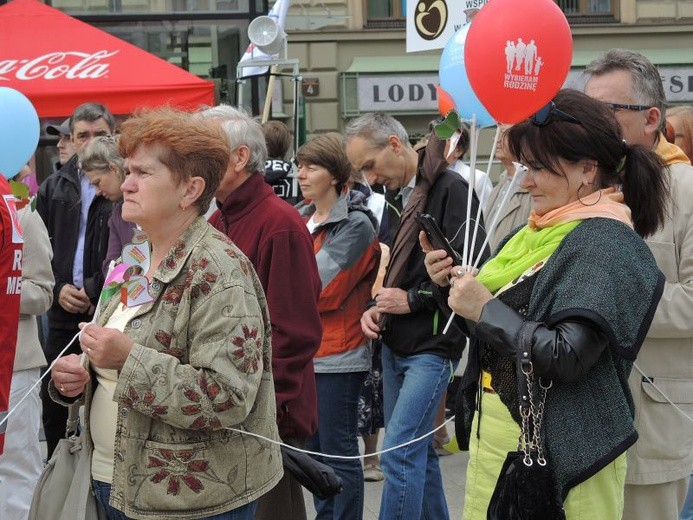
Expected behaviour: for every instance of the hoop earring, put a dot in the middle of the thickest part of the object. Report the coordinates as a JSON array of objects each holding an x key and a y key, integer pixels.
[{"x": 588, "y": 205}]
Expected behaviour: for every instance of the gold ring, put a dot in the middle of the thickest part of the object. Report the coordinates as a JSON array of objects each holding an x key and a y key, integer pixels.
[{"x": 460, "y": 272}]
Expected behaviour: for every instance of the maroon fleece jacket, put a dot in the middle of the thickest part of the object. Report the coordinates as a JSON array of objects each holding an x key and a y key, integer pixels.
[{"x": 272, "y": 235}]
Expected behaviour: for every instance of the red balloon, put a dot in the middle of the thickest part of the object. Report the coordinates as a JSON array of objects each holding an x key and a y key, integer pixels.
[
  {"x": 518, "y": 55},
  {"x": 445, "y": 102}
]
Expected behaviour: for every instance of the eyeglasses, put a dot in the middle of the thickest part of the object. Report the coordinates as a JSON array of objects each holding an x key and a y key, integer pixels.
[
  {"x": 544, "y": 116},
  {"x": 635, "y": 108}
]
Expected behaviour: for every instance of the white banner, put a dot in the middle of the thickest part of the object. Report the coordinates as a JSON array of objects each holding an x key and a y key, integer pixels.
[{"x": 431, "y": 23}]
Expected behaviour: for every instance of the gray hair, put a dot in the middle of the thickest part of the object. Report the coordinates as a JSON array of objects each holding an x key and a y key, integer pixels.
[
  {"x": 92, "y": 112},
  {"x": 646, "y": 87},
  {"x": 100, "y": 154},
  {"x": 376, "y": 128},
  {"x": 241, "y": 129}
]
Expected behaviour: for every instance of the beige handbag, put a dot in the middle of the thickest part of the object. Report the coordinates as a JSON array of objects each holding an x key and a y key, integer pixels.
[{"x": 63, "y": 491}]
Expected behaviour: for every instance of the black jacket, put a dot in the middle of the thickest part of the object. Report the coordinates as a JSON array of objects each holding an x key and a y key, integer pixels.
[
  {"x": 58, "y": 203},
  {"x": 421, "y": 331},
  {"x": 280, "y": 175}
]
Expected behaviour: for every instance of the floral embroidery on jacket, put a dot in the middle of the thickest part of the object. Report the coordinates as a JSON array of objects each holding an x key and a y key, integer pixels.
[
  {"x": 177, "y": 466},
  {"x": 249, "y": 351},
  {"x": 146, "y": 400}
]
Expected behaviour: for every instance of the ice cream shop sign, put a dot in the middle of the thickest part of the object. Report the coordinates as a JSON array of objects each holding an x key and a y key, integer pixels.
[{"x": 398, "y": 93}]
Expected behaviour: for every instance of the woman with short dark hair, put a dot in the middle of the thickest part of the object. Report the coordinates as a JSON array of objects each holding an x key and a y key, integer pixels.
[{"x": 347, "y": 252}]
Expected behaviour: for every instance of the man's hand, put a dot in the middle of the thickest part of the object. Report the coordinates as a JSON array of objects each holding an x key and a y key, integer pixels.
[
  {"x": 392, "y": 300},
  {"x": 369, "y": 323},
  {"x": 73, "y": 300}
]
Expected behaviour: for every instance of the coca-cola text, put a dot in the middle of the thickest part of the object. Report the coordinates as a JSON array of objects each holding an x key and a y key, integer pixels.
[{"x": 69, "y": 64}]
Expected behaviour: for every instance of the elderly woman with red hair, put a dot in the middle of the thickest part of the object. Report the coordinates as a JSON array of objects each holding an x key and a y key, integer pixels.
[{"x": 178, "y": 365}]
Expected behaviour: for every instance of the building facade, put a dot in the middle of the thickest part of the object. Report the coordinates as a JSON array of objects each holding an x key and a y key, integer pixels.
[
  {"x": 352, "y": 53},
  {"x": 354, "y": 50}
]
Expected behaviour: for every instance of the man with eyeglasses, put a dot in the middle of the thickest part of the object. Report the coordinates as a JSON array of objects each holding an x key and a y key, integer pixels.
[
  {"x": 77, "y": 223},
  {"x": 660, "y": 463},
  {"x": 418, "y": 359}
]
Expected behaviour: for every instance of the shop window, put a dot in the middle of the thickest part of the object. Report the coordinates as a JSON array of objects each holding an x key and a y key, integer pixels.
[
  {"x": 382, "y": 13},
  {"x": 590, "y": 10}
]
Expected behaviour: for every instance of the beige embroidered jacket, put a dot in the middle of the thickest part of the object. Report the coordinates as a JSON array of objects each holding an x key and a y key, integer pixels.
[{"x": 200, "y": 364}]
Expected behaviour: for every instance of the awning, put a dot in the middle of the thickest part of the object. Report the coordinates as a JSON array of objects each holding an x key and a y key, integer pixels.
[{"x": 59, "y": 62}]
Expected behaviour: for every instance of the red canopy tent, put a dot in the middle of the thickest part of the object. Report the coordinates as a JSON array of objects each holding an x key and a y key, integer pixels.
[{"x": 59, "y": 62}]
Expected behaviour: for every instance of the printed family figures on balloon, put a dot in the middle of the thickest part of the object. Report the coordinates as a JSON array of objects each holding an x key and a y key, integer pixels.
[{"x": 517, "y": 53}]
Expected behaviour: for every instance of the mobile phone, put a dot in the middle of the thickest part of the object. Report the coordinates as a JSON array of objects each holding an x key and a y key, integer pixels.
[{"x": 436, "y": 236}]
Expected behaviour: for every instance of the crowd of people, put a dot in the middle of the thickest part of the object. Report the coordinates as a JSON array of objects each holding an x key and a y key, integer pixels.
[{"x": 259, "y": 302}]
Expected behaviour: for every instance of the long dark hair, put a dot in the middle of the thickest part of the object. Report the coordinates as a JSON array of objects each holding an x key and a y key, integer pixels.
[{"x": 593, "y": 133}]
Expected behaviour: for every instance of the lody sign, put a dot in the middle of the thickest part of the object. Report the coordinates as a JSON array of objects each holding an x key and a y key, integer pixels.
[{"x": 405, "y": 93}]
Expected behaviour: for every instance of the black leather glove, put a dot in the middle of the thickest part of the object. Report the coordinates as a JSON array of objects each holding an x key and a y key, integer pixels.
[{"x": 564, "y": 352}]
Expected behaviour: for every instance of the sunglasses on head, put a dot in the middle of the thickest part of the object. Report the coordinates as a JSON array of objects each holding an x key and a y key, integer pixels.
[{"x": 550, "y": 113}]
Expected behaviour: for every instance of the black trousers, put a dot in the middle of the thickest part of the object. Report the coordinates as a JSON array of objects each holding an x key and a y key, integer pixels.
[{"x": 54, "y": 414}]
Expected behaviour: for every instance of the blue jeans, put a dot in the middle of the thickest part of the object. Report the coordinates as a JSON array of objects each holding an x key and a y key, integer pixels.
[
  {"x": 687, "y": 511},
  {"x": 102, "y": 490},
  {"x": 412, "y": 389},
  {"x": 338, "y": 396}
]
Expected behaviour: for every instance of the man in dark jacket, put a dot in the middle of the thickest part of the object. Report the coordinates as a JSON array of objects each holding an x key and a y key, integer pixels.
[
  {"x": 77, "y": 223},
  {"x": 65, "y": 146},
  {"x": 418, "y": 359},
  {"x": 275, "y": 239}
]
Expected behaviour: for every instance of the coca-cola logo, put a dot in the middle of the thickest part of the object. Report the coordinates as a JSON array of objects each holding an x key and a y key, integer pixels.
[{"x": 68, "y": 64}]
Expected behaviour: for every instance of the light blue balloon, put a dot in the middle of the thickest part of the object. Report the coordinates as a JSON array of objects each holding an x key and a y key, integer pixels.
[
  {"x": 19, "y": 131},
  {"x": 454, "y": 80}
]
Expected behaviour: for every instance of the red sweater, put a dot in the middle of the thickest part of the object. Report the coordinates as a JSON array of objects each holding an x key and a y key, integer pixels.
[
  {"x": 272, "y": 235},
  {"x": 10, "y": 287}
]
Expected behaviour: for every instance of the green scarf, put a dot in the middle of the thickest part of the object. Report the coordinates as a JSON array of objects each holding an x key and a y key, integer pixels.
[{"x": 524, "y": 250}]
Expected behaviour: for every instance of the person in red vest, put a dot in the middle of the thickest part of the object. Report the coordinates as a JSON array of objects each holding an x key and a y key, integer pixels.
[{"x": 10, "y": 287}]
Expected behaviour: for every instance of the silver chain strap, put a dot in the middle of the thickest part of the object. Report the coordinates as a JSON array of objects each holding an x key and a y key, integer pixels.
[{"x": 530, "y": 436}]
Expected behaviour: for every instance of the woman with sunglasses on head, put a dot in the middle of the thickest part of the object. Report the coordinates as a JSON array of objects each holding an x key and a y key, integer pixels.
[{"x": 572, "y": 295}]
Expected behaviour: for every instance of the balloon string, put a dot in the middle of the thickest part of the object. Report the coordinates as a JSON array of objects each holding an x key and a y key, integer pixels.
[
  {"x": 344, "y": 457},
  {"x": 97, "y": 310},
  {"x": 520, "y": 170},
  {"x": 488, "y": 173},
  {"x": 48, "y": 371},
  {"x": 470, "y": 190}
]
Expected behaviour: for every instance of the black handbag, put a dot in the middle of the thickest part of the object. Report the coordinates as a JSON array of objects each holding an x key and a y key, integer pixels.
[
  {"x": 526, "y": 487},
  {"x": 318, "y": 478}
]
